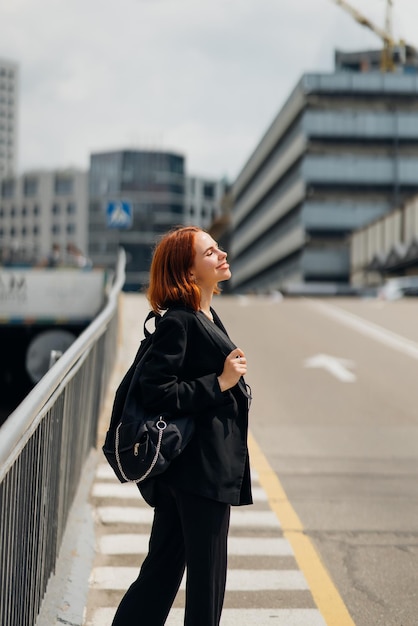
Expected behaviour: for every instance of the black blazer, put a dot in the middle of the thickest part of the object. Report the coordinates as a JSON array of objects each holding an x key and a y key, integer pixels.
[{"x": 180, "y": 377}]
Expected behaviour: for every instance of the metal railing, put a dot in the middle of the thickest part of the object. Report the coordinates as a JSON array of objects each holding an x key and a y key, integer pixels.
[{"x": 43, "y": 447}]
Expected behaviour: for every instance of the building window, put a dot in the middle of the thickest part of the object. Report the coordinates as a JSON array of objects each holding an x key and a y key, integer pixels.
[
  {"x": 71, "y": 208},
  {"x": 30, "y": 187},
  {"x": 24, "y": 211},
  {"x": 7, "y": 188},
  {"x": 71, "y": 229},
  {"x": 36, "y": 230},
  {"x": 55, "y": 229},
  {"x": 209, "y": 190},
  {"x": 63, "y": 186},
  {"x": 56, "y": 209},
  {"x": 23, "y": 231},
  {"x": 13, "y": 211},
  {"x": 36, "y": 210}
]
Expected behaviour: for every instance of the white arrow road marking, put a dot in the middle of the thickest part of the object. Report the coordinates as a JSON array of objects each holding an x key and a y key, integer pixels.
[{"x": 340, "y": 368}]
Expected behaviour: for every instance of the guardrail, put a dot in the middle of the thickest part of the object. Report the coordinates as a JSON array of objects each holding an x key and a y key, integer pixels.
[{"x": 43, "y": 447}]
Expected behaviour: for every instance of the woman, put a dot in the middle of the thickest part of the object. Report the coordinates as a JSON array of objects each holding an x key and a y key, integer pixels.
[{"x": 193, "y": 369}]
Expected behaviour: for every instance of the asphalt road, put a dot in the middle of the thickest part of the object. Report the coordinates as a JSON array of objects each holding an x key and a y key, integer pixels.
[{"x": 335, "y": 412}]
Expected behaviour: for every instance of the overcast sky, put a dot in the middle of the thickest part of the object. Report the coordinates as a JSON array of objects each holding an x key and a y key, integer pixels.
[{"x": 201, "y": 77}]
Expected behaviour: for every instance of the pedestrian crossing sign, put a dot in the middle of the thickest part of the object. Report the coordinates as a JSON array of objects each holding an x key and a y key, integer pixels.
[{"x": 119, "y": 214}]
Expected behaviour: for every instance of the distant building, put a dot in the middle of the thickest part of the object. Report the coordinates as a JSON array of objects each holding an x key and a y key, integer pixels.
[
  {"x": 203, "y": 202},
  {"x": 135, "y": 196},
  {"x": 405, "y": 60},
  {"x": 342, "y": 151},
  {"x": 387, "y": 247},
  {"x": 41, "y": 211},
  {"x": 9, "y": 90}
]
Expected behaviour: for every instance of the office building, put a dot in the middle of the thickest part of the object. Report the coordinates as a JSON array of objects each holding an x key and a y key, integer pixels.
[
  {"x": 41, "y": 211},
  {"x": 9, "y": 88},
  {"x": 342, "y": 152},
  {"x": 203, "y": 203},
  {"x": 135, "y": 196}
]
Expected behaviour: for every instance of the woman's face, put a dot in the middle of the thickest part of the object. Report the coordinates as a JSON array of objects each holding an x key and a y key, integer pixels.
[{"x": 210, "y": 266}]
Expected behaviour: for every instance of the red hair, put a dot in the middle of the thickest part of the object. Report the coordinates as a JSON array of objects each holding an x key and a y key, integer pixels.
[{"x": 170, "y": 280}]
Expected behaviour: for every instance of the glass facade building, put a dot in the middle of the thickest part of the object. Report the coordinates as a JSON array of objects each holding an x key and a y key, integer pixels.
[{"x": 150, "y": 185}]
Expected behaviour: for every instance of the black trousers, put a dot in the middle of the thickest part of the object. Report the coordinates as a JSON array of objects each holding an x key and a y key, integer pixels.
[{"x": 188, "y": 531}]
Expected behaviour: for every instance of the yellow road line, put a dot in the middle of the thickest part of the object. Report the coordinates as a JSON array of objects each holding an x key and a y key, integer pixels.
[{"x": 324, "y": 592}]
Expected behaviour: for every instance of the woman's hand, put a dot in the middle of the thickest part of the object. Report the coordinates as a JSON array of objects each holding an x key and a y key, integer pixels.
[{"x": 235, "y": 366}]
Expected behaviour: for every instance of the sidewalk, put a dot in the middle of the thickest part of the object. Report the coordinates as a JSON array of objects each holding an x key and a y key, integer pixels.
[{"x": 264, "y": 585}]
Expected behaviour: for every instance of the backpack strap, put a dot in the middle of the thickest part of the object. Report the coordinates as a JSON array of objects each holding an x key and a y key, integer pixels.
[
  {"x": 122, "y": 390},
  {"x": 151, "y": 315}
]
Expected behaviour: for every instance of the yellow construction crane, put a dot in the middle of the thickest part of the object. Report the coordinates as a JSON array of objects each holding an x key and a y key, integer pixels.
[{"x": 390, "y": 47}]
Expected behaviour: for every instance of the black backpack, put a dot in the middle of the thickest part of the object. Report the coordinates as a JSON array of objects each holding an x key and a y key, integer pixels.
[
  {"x": 122, "y": 390},
  {"x": 139, "y": 444}
]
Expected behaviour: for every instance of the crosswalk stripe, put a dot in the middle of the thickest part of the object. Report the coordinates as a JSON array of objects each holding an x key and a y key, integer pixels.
[
  {"x": 259, "y": 546},
  {"x": 243, "y": 546},
  {"x": 125, "y": 515},
  {"x": 116, "y": 491},
  {"x": 141, "y": 515},
  {"x": 105, "y": 472},
  {"x": 259, "y": 495},
  {"x": 234, "y": 617},
  {"x": 128, "y": 491},
  {"x": 237, "y": 580}
]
